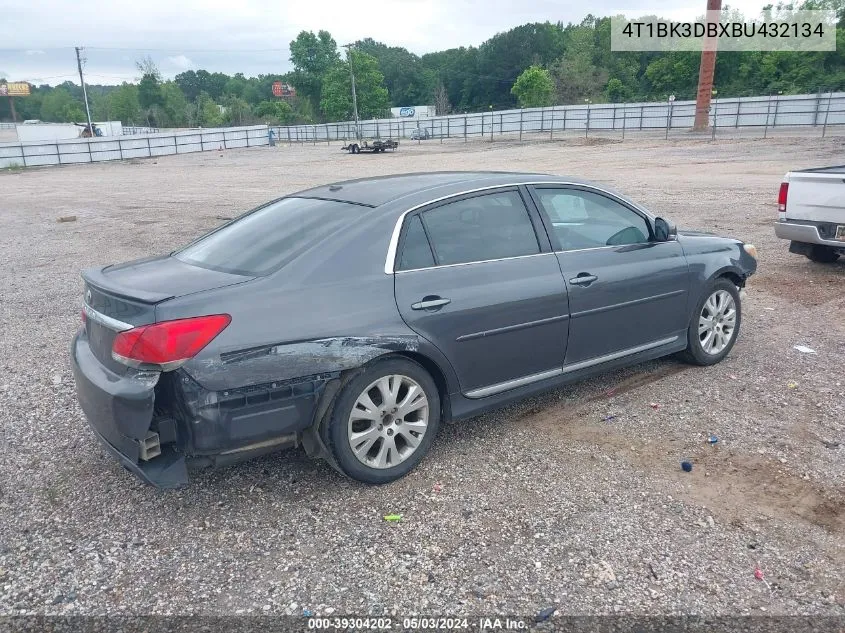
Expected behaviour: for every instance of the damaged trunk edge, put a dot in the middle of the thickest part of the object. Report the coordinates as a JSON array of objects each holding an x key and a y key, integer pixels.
[
  {"x": 283, "y": 395},
  {"x": 285, "y": 361}
]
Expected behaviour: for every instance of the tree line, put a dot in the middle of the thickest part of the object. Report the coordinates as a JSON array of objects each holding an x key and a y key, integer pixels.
[{"x": 535, "y": 64}]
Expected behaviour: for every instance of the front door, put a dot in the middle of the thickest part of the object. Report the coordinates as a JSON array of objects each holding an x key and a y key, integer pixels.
[
  {"x": 627, "y": 292},
  {"x": 471, "y": 277}
]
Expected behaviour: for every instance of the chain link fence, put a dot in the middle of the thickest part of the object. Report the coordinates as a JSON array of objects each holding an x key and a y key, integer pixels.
[
  {"x": 104, "y": 148},
  {"x": 739, "y": 116},
  {"x": 822, "y": 113}
]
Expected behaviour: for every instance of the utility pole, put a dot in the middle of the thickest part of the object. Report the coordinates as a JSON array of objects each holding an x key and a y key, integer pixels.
[
  {"x": 12, "y": 108},
  {"x": 707, "y": 69},
  {"x": 84, "y": 91},
  {"x": 349, "y": 48}
]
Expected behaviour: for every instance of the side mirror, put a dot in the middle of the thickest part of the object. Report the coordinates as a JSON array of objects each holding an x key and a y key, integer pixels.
[{"x": 664, "y": 230}]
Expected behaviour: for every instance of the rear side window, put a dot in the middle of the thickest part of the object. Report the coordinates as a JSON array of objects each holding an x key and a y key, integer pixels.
[
  {"x": 266, "y": 239},
  {"x": 416, "y": 252},
  {"x": 491, "y": 226}
]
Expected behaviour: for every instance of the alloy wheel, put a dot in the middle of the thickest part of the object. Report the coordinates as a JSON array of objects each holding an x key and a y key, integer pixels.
[
  {"x": 388, "y": 421},
  {"x": 717, "y": 322}
]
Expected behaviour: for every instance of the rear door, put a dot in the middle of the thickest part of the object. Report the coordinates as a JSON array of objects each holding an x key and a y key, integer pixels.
[
  {"x": 473, "y": 277},
  {"x": 627, "y": 292}
]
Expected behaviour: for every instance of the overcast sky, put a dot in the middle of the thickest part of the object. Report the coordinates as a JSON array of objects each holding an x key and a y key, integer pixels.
[{"x": 252, "y": 36}]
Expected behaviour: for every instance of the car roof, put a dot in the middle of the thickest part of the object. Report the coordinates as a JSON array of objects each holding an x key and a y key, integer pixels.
[{"x": 379, "y": 190}]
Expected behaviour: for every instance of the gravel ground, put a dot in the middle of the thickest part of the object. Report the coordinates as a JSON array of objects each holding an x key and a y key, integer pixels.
[{"x": 542, "y": 504}]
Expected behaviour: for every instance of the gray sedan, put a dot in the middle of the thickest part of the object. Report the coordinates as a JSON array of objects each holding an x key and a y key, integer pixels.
[{"x": 354, "y": 318}]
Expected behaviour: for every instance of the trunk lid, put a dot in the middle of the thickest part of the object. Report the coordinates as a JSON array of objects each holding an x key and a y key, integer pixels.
[{"x": 125, "y": 295}]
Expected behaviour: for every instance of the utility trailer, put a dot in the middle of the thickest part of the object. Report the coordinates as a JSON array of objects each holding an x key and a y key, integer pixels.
[{"x": 374, "y": 146}]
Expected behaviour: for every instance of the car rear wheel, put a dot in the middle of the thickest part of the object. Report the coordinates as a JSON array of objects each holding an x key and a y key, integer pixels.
[
  {"x": 714, "y": 325},
  {"x": 384, "y": 421},
  {"x": 823, "y": 254}
]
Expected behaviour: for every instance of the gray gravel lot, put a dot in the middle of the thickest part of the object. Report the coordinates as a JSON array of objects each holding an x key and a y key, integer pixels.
[{"x": 542, "y": 504}]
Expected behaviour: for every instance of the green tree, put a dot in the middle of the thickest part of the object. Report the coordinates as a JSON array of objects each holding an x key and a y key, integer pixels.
[
  {"x": 673, "y": 73},
  {"x": 455, "y": 69},
  {"x": 125, "y": 105},
  {"x": 237, "y": 111},
  {"x": 373, "y": 99},
  {"x": 174, "y": 105},
  {"x": 313, "y": 57},
  {"x": 576, "y": 74},
  {"x": 404, "y": 74},
  {"x": 149, "y": 88},
  {"x": 60, "y": 107},
  {"x": 615, "y": 91},
  {"x": 276, "y": 112},
  {"x": 504, "y": 56},
  {"x": 236, "y": 85},
  {"x": 208, "y": 112},
  {"x": 189, "y": 83},
  {"x": 534, "y": 88}
]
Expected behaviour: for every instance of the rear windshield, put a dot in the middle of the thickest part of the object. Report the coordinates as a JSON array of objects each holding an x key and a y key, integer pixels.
[{"x": 269, "y": 237}]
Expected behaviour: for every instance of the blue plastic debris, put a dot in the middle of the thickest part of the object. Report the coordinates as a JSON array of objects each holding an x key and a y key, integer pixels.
[
  {"x": 686, "y": 466},
  {"x": 307, "y": 613},
  {"x": 545, "y": 614},
  {"x": 712, "y": 439}
]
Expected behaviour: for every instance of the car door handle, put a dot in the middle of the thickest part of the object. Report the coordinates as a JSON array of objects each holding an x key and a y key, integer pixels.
[
  {"x": 430, "y": 302},
  {"x": 583, "y": 279}
]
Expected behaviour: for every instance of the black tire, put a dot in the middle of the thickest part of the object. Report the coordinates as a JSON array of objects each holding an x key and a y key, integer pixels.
[
  {"x": 338, "y": 425},
  {"x": 695, "y": 352},
  {"x": 822, "y": 254},
  {"x": 356, "y": 149}
]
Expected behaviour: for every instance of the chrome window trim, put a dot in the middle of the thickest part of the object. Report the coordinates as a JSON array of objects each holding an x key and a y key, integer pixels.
[
  {"x": 106, "y": 321},
  {"x": 480, "y": 261},
  {"x": 390, "y": 260}
]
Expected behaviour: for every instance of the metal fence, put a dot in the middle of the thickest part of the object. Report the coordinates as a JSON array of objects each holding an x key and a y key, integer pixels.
[
  {"x": 749, "y": 114},
  {"x": 106, "y": 148}
]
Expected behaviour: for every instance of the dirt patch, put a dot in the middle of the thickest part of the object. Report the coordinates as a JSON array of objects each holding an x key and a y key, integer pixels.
[{"x": 738, "y": 487}]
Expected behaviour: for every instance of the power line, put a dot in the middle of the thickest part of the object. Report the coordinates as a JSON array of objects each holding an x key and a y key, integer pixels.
[
  {"x": 189, "y": 50},
  {"x": 150, "y": 49}
]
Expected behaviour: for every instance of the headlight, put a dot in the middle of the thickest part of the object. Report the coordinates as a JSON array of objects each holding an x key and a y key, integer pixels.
[{"x": 750, "y": 249}]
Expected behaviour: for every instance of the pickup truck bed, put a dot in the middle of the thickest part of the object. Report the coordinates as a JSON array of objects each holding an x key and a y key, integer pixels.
[{"x": 811, "y": 212}]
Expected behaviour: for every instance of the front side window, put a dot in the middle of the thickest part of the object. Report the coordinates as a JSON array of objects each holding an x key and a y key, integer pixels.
[
  {"x": 491, "y": 226},
  {"x": 264, "y": 240},
  {"x": 583, "y": 219}
]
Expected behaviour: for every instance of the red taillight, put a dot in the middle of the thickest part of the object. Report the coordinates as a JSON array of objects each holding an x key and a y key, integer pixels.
[
  {"x": 168, "y": 343},
  {"x": 784, "y": 190}
]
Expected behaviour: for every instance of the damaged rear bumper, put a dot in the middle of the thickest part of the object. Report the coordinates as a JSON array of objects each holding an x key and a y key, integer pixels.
[
  {"x": 193, "y": 427},
  {"x": 119, "y": 410}
]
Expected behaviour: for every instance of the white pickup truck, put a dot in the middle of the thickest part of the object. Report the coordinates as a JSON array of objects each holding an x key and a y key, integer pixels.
[{"x": 811, "y": 213}]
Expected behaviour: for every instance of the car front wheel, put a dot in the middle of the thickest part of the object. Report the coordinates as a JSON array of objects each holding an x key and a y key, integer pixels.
[
  {"x": 384, "y": 421},
  {"x": 714, "y": 325}
]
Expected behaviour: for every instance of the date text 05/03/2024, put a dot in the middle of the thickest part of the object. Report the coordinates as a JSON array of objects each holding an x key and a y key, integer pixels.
[{"x": 419, "y": 624}]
